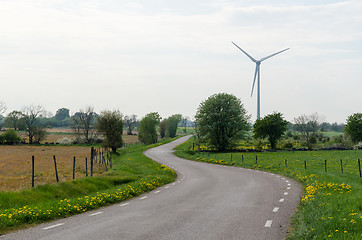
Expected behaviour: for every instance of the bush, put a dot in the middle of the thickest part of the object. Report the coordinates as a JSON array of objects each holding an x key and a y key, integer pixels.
[
  {"x": 10, "y": 137},
  {"x": 65, "y": 141},
  {"x": 288, "y": 145}
]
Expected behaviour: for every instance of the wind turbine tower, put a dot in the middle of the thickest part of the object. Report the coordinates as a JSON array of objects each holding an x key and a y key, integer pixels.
[{"x": 257, "y": 72}]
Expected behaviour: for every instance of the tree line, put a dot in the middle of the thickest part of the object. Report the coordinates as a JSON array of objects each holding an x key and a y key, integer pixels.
[
  {"x": 88, "y": 125},
  {"x": 222, "y": 122}
]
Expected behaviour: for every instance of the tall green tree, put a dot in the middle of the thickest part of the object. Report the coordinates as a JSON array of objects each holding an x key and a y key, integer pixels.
[
  {"x": 61, "y": 114},
  {"x": 110, "y": 123},
  {"x": 221, "y": 121},
  {"x": 272, "y": 127},
  {"x": 14, "y": 120},
  {"x": 147, "y": 132},
  {"x": 172, "y": 125},
  {"x": 163, "y": 127},
  {"x": 354, "y": 127}
]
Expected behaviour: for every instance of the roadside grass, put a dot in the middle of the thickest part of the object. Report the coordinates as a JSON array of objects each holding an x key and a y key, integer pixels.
[
  {"x": 331, "y": 207},
  {"x": 132, "y": 174}
]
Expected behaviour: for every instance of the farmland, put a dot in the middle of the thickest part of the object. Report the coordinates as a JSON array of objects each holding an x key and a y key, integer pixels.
[
  {"x": 15, "y": 161},
  {"x": 332, "y": 203},
  {"x": 55, "y": 135},
  {"x": 15, "y": 164}
]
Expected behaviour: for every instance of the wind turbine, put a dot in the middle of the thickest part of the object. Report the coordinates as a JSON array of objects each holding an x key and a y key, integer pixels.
[{"x": 257, "y": 72}]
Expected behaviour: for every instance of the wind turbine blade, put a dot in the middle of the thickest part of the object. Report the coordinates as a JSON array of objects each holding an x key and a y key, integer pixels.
[
  {"x": 252, "y": 59},
  {"x": 256, "y": 72},
  {"x": 265, "y": 58}
]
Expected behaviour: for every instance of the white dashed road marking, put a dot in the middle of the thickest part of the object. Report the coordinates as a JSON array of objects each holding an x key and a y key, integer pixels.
[
  {"x": 143, "y": 197},
  {"x": 93, "y": 214},
  {"x": 157, "y": 191},
  {"x": 53, "y": 226},
  {"x": 268, "y": 223},
  {"x": 281, "y": 200},
  {"x": 275, "y": 209},
  {"x": 124, "y": 204},
  {"x": 286, "y": 193}
]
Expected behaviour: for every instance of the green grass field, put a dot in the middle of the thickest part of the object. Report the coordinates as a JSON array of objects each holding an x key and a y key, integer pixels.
[
  {"x": 331, "y": 207},
  {"x": 132, "y": 174}
]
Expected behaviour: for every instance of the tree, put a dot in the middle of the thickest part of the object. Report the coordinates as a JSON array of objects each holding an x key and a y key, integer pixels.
[
  {"x": 221, "y": 121},
  {"x": 39, "y": 134},
  {"x": 354, "y": 127},
  {"x": 111, "y": 125},
  {"x": 31, "y": 115},
  {"x": 272, "y": 127},
  {"x": 172, "y": 124},
  {"x": 307, "y": 126},
  {"x": 15, "y": 120},
  {"x": 61, "y": 114},
  {"x": 130, "y": 122},
  {"x": 184, "y": 122},
  {"x": 147, "y": 129},
  {"x": 163, "y": 127},
  {"x": 83, "y": 124}
]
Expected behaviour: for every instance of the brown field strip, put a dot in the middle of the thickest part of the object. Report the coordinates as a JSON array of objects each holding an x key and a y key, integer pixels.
[{"x": 15, "y": 165}]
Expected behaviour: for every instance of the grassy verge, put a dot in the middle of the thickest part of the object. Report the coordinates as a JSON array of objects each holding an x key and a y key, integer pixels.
[
  {"x": 132, "y": 175},
  {"x": 331, "y": 207}
]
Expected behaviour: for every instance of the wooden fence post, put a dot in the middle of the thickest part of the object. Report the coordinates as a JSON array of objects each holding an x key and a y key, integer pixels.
[
  {"x": 56, "y": 170},
  {"x": 359, "y": 166},
  {"x": 105, "y": 164},
  {"x": 286, "y": 164},
  {"x": 341, "y": 166},
  {"x": 73, "y": 167},
  {"x": 242, "y": 158},
  {"x": 256, "y": 159},
  {"x": 305, "y": 165},
  {"x": 32, "y": 171},
  {"x": 325, "y": 165},
  {"x": 86, "y": 167},
  {"x": 91, "y": 167}
]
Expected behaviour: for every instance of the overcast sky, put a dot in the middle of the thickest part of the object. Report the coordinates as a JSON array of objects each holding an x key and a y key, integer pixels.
[{"x": 168, "y": 56}]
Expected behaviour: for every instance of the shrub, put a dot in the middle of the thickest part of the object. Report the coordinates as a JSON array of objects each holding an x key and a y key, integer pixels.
[
  {"x": 11, "y": 137},
  {"x": 65, "y": 141}
]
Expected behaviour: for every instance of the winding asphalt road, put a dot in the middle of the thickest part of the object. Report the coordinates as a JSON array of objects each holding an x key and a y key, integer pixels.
[{"x": 205, "y": 202}]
